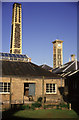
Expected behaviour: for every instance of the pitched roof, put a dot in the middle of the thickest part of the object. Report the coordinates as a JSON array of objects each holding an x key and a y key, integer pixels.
[
  {"x": 24, "y": 69},
  {"x": 74, "y": 74},
  {"x": 67, "y": 68},
  {"x": 46, "y": 67}
]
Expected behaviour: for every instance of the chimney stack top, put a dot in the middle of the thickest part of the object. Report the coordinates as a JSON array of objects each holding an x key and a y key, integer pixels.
[{"x": 72, "y": 57}]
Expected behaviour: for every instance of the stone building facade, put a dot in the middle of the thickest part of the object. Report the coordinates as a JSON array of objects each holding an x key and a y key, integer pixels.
[
  {"x": 17, "y": 90},
  {"x": 17, "y": 87}
]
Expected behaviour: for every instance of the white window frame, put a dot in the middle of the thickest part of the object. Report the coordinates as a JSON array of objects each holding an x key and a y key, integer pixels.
[
  {"x": 50, "y": 89},
  {"x": 3, "y": 88}
]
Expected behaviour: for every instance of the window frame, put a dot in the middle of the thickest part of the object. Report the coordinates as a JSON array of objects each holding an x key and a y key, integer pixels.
[
  {"x": 51, "y": 89},
  {"x": 5, "y": 89}
]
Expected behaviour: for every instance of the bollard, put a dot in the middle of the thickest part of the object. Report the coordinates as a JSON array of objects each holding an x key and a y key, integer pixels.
[{"x": 69, "y": 106}]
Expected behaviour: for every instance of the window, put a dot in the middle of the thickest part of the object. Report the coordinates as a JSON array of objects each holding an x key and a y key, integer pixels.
[
  {"x": 59, "y": 51},
  {"x": 16, "y": 15},
  {"x": 51, "y": 88},
  {"x": 29, "y": 89},
  {"x": 4, "y": 87},
  {"x": 59, "y": 62}
]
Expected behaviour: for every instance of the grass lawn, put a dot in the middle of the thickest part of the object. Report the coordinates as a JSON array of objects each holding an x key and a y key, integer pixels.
[{"x": 48, "y": 113}]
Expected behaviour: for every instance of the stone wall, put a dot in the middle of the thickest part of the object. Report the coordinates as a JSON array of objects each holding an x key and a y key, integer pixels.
[
  {"x": 57, "y": 97},
  {"x": 17, "y": 89}
]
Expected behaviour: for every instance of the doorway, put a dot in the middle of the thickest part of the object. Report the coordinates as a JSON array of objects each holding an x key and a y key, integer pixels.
[{"x": 26, "y": 89}]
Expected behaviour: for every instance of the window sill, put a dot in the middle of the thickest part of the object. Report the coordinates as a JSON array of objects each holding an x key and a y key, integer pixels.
[
  {"x": 51, "y": 93},
  {"x": 5, "y": 93}
]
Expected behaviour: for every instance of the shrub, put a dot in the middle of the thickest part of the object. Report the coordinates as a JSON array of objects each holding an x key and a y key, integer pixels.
[
  {"x": 39, "y": 99},
  {"x": 36, "y": 105},
  {"x": 68, "y": 105},
  {"x": 64, "y": 105},
  {"x": 45, "y": 106},
  {"x": 23, "y": 107},
  {"x": 32, "y": 107},
  {"x": 27, "y": 107},
  {"x": 57, "y": 106}
]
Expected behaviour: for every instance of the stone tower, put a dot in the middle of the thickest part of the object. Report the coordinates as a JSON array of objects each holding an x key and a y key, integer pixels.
[
  {"x": 16, "y": 32},
  {"x": 57, "y": 53}
]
